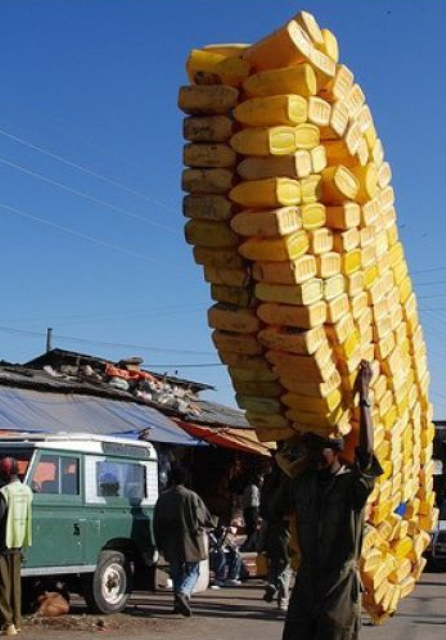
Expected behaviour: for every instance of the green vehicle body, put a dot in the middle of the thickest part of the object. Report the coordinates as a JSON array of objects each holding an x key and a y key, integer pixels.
[{"x": 92, "y": 514}]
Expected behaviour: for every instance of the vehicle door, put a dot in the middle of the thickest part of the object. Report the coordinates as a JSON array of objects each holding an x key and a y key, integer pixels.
[
  {"x": 116, "y": 498},
  {"x": 59, "y": 523}
]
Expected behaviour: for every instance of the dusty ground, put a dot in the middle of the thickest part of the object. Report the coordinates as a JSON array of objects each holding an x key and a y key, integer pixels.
[
  {"x": 150, "y": 615},
  {"x": 235, "y": 614}
]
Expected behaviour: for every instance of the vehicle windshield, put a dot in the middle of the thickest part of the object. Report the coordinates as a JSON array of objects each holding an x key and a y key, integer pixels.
[
  {"x": 23, "y": 456},
  {"x": 442, "y": 515}
]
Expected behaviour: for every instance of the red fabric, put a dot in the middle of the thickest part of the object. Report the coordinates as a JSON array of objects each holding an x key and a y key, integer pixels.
[
  {"x": 240, "y": 439},
  {"x": 114, "y": 372}
]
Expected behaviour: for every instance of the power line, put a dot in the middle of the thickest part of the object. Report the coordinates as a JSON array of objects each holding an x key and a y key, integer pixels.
[
  {"x": 440, "y": 320},
  {"x": 433, "y": 331},
  {"x": 112, "y": 318},
  {"x": 107, "y": 344},
  {"x": 87, "y": 196},
  {"x": 77, "y": 234},
  {"x": 433, "y": 311},
  {"x": 186, "y": 366},
  {"x": 434, "y": 269},
  {"x": 112, "y": 314},
  {"x": 24, "y": 332},
  {"x": 78, "y": 138},
  {"x": 86, "y": 170},
  {"x": 124, "y": 345},
  {"x": 429, "y": 284}
]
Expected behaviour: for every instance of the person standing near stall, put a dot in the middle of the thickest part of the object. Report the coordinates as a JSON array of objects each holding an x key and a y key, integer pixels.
[
  {"x": 15, "y": 533},
  {"x": 251, "y": 509}
]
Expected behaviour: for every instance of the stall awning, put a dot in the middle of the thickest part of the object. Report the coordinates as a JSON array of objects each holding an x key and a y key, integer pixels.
[
  {"x": 240, "y": 439},
  {"x": 29, "y": 410}
]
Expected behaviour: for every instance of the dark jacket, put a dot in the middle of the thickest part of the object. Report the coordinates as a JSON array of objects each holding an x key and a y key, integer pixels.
[
  {"x": 275, "y": 538},
  {"x": 179, "y": 521},
  {"x": 330, "y": 525}
]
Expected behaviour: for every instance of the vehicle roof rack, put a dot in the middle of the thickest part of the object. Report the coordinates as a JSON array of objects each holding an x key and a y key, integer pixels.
[{"x": 69, "y": 436}]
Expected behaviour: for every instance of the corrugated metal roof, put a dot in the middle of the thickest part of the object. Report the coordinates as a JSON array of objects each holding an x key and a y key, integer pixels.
[
  {"x": 213, "y": 413},
  {"x": 207, "y": 412},
  {"x": 32, "y": 410}
]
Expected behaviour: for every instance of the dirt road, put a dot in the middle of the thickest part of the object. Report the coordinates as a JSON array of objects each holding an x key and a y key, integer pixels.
[{"x": 237, "y": 614}]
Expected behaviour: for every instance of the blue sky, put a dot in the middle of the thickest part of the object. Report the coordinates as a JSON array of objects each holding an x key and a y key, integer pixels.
[{"x": 98, "y": 254}]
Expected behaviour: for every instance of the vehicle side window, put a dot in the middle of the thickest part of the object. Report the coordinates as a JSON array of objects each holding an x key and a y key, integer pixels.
[
  {"x": 57, "y": 475},
  {"x": 120, "y": 479}
]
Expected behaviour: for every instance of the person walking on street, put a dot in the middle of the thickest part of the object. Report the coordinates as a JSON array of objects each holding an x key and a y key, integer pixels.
[
  {"x": 15, "y": 533},
  {"x": 180, "y": 519},
  {"x": 275, "y": 544},
  {"x": 328, "y": 499}
]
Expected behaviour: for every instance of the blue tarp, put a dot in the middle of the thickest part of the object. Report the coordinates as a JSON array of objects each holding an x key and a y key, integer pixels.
[{"x": 28, "y": 410}]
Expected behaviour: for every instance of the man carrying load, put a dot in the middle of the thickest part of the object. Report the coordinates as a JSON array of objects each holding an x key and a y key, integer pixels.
[{"x": 328, "y": 499}]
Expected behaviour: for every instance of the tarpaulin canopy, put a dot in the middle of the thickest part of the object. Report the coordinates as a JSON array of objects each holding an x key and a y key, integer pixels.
[
  {"x": 29, "y": 410},
  {"x": 240, "y": 439}
]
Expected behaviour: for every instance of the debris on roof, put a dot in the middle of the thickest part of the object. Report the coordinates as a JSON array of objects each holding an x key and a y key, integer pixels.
[{"x": 70, "y": 372}]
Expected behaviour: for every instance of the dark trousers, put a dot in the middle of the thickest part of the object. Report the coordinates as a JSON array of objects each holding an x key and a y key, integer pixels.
[
  {"x": 250, "y": 516},
  {"x": 321, "y": 615},
  {"x": 10, "y": 588},
  {"x": 225, "y": 563}
]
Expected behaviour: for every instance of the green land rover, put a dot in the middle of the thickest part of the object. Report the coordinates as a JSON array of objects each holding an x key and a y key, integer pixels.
[{"x": 92, "y": 514}]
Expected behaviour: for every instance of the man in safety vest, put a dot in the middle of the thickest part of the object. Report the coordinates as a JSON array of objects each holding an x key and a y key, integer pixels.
[{"x": 15, "y": 533}]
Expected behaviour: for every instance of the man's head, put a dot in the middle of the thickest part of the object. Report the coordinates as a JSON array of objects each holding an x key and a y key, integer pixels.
[
  {"x": 109, "y": 484},
  {"x": 179, "y": 475},
  {"x": 322, "y": 452},
  {"x": 9, "y": 469}
]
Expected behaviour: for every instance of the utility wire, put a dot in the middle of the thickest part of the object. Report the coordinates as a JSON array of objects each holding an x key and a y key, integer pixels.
[
  {"x": 186, "y": 366},
  {"x": 434, "y": 269},
  {"x": 87, "y": 196},
  {"x": 112, "y": 318},
  {"x": 440, "y": 395},
  {"x": 438, "y": 318},
  {"x": 77, "y": 234},
  {"x": 131, "y": 346},
  {"x": 107, "y": 344},
  {"x": 433, "y": 329},
  {"x": 429, "y": 284},
  {"x": 112, "y": 314},
  {"x": 86, "y": 170},
  {"x": 84, "y": 141}
]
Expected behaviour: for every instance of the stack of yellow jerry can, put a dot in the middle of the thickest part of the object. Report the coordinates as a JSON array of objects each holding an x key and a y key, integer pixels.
[{"x": 291, "y": 214}]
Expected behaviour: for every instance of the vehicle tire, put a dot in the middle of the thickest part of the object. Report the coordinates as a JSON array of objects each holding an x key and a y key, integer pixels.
[{"x": 108, "y": 588}]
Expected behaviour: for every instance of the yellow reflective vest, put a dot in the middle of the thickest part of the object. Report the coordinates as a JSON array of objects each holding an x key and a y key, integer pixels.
[{"x": 18, "y": 498}]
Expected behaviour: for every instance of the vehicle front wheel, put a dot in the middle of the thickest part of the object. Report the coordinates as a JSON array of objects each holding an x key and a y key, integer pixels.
[{"x": 108, "y": 588}]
